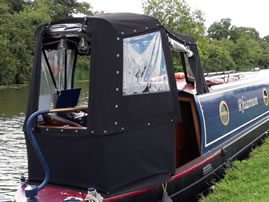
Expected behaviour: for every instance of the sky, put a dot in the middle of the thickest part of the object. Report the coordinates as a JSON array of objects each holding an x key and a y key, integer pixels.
[{"x": 248, "y": 13}]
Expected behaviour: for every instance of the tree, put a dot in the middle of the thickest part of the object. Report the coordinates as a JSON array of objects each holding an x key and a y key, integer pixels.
[
  {"x": 263, "y": 60},
  {"x": 239, "y": 32},
  {"x": 16, "y": 6},
  {"x": 61, "y": 9},
  {"x": 176, "y": 15},
  {"x": 220, "y": 30},
  {"x": 7, "y": 61},
  {"x": 34, "y": 15},
  {"x": 18, "y": 22},
  {"x": 248, "y": 50},
  {"x": 246, "y": 53},
  {"x": 266, "y": 38},
  {"x": 218, "y": 56},
  {"x": 17, "y": 36}
]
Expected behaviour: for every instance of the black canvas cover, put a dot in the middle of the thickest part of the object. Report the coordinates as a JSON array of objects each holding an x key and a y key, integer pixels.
[
  {"x": 35, "y": 81},
  {"x": 130, "y": 123},
  {"x": 111, "y": 163},
  {"x": 129, "y": 23},
  {"x": 128, "y": 112},
  {"x": 195, "y": 64},
  {"x": 129, "y": 140}
]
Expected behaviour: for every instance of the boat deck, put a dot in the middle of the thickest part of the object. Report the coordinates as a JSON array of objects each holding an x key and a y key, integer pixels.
[{"x": 225, "y": 81}]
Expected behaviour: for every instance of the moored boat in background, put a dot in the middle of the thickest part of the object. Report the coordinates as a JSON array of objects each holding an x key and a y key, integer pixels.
[{"x": 145, "y": 134}]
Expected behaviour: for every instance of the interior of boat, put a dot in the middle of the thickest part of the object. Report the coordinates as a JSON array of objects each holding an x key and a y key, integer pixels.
[{"x": 187, "y": 137}]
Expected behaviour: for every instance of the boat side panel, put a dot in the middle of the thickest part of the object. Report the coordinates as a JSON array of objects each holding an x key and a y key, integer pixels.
[
  {"x": 246, "y": 109},
  {"x": 185, "y": 184},
  {"x": 108, "y": 163}
]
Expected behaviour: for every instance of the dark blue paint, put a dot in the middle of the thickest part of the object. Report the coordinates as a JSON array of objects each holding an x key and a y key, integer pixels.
[{"x": 210, "y": 111}]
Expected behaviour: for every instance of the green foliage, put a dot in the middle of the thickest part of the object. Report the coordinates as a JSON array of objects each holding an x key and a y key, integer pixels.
[
  {"x": 15, "y": 5},
  {"x": 243, "y": 48},
  {"x": 247, "y": 180},
  {"x": 239, "y": 32},
  {"x": 224, "y": 30},
  {"x": 176, "y": 15},
  {"x": 177, "y": 63},
  {"x": 245, "y": 53},
  {"x": 225, "y": 47},
  {"x": 218, "y": 56},
  {"x": 220, "y": 30},
  {"x": 7, "y": 61},
  {"x": 82, "y": 71},
  {"x": 61, "y": 9},
  {"x": 17, "y": 31},
  {"x": 263, "y": 60},
  {"x": 18, "y": 23}
]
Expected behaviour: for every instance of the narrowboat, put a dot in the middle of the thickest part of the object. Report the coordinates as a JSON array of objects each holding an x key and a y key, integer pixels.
[{"x": 145, "y": 132}]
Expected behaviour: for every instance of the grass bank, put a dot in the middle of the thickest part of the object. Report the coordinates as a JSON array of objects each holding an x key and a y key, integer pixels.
[{"x": 246, "y": 180}]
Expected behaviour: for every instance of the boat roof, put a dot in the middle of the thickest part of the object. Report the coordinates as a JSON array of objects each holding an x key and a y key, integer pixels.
[{"x": 128, "y": 24}]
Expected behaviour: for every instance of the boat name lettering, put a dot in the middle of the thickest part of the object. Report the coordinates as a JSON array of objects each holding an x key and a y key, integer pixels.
[{"x": 244, "y": 104}]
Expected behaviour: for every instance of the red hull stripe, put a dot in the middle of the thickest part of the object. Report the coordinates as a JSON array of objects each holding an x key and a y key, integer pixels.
[
  {"x": 175, "y": 177},
  {"x": 190, "y": 169}
]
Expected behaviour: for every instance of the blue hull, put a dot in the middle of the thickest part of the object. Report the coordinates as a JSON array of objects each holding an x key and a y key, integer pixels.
[{"x": 247, "y": 110}]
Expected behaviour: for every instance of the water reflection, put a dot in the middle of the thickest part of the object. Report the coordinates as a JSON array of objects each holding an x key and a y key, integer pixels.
[
  {"x": 13, "y": 101},
  {"x": 13, "y": 157}
]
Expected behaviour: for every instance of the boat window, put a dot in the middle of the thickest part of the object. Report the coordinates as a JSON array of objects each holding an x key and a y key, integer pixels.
[
  {"x": 189, "y": 73},
  {"x": 64, "y": 60},
  {"x": 56, "y": 74},
  {"x": 81, "y": 77},
  {"x": 181, "y": 63},
  {"x": 176, "y": 60},
  {"x": 144, "y": 66}
]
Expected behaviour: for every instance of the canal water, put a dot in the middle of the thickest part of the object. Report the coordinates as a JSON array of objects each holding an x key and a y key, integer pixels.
[{"x": 13, "y": 157}]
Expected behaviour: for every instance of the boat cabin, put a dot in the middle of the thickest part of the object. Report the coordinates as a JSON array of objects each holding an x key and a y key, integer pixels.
[
  {"x": 124, "y": 135},
  {"x": 140, "y": 123}
]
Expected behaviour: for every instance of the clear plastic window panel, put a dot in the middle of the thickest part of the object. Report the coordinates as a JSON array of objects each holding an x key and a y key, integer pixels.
[
  {"x": 188, "y": 67},
  {"x": 56, "y": 59},
  {"x": 144, "y": 66},
  {"x": 47, "y": 90}
]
